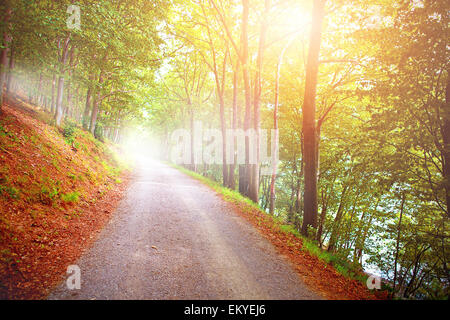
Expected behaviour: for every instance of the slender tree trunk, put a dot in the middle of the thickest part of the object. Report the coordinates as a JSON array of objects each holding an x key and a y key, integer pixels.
[
  {"x": 275, "y": 127},
  {"x": 59, "y": 98},
  {"x": 4, "y": 55},
  {"x": 116, "y": 128},
  {"x": 337, "y": 222},
  {"x": 30, "y": 91},
  {"x": 53, "y": 94},
  {"x": 94, "y": 115},
  {"x": 254, "y": 182},
  {"x": 293, "y": 197},
  {"x": 10, "y": 78},
  {"x": 39, "y": 92},
  {"x": 3, "y": 67},
  {"x": 309, "y": 126},
  {"x": 248, "y": 102},
  {"x": 397, "y": 246},
  {"x": 231, "y": 179},
  {"x": 224, "y": 141},
  {"x": 68, "y": 109},
  {"x": 363, "y": 240},
  {"x": 69, "y": 99},
  {"x": 191, "y": 118},
  {"x": 96, "y": 105},
  {"x": 445, "y": 130},
  {"x": 76, "y": 110},
  {"x": 299, "y": 198},
  {"x": 323, "y": 214},
  {"x": 87, "y": 108}
]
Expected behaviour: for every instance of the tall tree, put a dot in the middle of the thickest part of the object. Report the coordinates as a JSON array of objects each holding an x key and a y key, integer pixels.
[
  {"x": 6, "y": 39},
  {"x": 309, "y": 118}
]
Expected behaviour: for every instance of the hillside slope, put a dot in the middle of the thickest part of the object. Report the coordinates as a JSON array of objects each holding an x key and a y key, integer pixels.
[{"x": 57, "y": 188}]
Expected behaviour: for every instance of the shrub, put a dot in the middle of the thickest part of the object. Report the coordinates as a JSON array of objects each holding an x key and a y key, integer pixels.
[
  {"x": 98, "y": 132},
  {"x": 69, "y": 131}
]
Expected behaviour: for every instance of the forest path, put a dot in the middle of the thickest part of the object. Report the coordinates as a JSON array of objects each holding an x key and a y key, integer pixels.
[{"x": 174, "y": 238}]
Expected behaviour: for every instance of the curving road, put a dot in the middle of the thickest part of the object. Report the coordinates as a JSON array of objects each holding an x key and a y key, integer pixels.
[{"x": 174, "y": 238}]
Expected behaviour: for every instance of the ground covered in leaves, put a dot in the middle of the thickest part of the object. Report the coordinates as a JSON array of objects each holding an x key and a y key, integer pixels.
[{"x": 58, "y": 187}]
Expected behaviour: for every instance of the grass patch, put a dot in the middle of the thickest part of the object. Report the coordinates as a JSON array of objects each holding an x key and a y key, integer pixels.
[
  {"x": 71, "y": 197},
  {"x": 5, "y": 133},
  {"x": 72, "y": 176},
  {"x": 9, "y": 191},
  {"x": 50, "y": 191}
]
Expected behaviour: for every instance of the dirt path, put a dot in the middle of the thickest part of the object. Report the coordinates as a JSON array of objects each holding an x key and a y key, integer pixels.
[{"x": 174, "y": 238}]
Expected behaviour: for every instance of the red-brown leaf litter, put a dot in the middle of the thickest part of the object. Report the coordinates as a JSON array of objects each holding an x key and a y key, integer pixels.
[{"x": 40, "y": 233}]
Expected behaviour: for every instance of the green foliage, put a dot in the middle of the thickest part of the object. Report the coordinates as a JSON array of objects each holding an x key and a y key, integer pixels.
[
  {"x": 5, "y": 133},
  {"x": 98, "y": 133},
  {"x": 7, "y": 188},
  {"x": 70, "y": 131},
  {"x": 50, "y": 191},
  {"x": 72, "y": 197},
  {"x": 12, "y": 192},
  {"x": 72, "y": 176}
]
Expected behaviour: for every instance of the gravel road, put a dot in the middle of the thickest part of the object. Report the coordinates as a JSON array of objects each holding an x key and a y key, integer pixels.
[{"x": 174, "y": 238}]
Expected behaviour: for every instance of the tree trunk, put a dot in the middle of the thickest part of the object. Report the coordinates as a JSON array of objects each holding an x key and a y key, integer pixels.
[
  {"x": 4, "y": 55},
  {"x": 68, "y": 109},
  {"x": 87, "y": 108},
  {"x": 254, "y": 182},
  {"x": 397, "y": 246},
  {"x": 39, "y": 94},
  {"x": 231, "y": 179},
  {"x": 224, "y": 140},
  {"x": 275, "y": 127},
  {"x": 191, "y": 118},
  {"x": 10, "y": 77},
  {"x": 53, "y": 94},
  {"x": 337, "y": 222},
  {"x": 59, "y": 98},
  {"x": 322, "y": 218},
  {"x": 309, "y": 111},
  {"x": 445, "y": 129},
  {"x": 244, "y": 60},
  {"x": 96, "y": 105}
]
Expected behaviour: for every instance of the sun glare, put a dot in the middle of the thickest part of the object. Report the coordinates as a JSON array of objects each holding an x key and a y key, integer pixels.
[
  {"x": 139, "y": 146},
  {"x": 292, "y": 19}
]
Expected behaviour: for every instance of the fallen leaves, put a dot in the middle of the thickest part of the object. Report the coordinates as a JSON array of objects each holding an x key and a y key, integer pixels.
[{"x": 38, "y": 241}]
